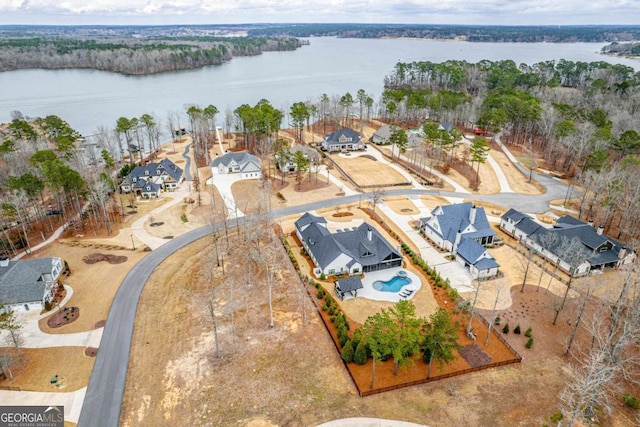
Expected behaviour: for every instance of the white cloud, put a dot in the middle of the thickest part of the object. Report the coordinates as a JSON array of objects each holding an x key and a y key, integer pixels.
[{"x": 398, "y": 11}]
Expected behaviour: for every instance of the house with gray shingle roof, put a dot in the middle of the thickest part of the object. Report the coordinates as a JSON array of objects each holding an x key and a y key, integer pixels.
[
  {"x": 463, "y": 229},
  {"x": 243, "y": 163},
  {"x": 165, "y": 174},
  {"x": 342, "y": 139},
  {"x": 555, "y": 243},
  {"x": 356, "y": 250},
  {"x": 27, "y": 284}
]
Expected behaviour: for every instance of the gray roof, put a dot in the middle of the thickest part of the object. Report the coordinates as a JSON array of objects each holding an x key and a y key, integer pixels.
[
  {"x": 242, "y": 158},
  {"x": 351, "y": 135},
  {"x": 150, "y": 187},
  {"x": 351, "y": 283},
  {"x": 457, "y": 217},
  {"x": 355, "y": 243},
  {"x": 309, "y": 218},
  {"x": 513, "y": 215},
  {"x": 598, "y": 249},
  {"x": 154, "y": 170},
  {"x": 22, "y": 282},
  {"x": 470, "y": 250},
  {"x": 447, "y": 127},
  {"x": 382, "y": 134},
  {"x": 310, "y": 153}
]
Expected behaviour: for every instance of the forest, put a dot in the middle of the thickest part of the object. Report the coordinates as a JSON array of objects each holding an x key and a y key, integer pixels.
[
  {"x": 133, "y": 56},
  {"x": 575, "y": 118},
  {"x": 472, "y": 33}
]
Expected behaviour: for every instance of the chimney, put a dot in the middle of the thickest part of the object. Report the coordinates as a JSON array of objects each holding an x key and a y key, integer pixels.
[
  {"x": 472, "y": 214},
  {"x": 590, "y": 223},
  {"x": 457, "y": 241},
  {"x": 369, "y": 234},
  {"x": 4, "y": 261},
  {"x": 622, "y": 253},
  {"x": 600, "y": 230}
]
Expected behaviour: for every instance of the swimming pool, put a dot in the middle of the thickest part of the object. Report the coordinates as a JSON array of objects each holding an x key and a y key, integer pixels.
[{"x": 392, "y": 285}]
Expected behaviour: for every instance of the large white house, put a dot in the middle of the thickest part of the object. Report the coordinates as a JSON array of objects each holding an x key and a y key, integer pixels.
[
  {"x": 150, "y": 179},
  {"x": 560, "y": 243},
  {"x": 27, "y": 284},
  {"x": 463, "y": 230},
  {"x": 243, "y": 163},
  {"x": 342, "y": 139},
  {"x": 348, "y": 251}
]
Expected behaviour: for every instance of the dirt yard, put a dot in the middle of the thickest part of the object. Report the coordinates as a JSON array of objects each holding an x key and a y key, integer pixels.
[
  {"x": 174, "y": 375},
  {"x": 366, "y": 170},
  {"x": 41, "y": 364}
]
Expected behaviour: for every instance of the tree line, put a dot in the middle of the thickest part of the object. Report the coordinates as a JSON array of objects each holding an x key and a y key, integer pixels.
[
  {"x": 472, "y": 33},
  {"x": 576, "y": 117},
  {"x": 132, "y": 56}
]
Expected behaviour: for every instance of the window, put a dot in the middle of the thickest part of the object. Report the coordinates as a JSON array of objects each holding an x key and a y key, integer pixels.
[
  {"x": 26, "y": 307},
  {"x": 332, "y": 271}
]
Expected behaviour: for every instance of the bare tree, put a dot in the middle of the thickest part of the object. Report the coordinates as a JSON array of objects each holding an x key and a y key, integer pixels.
[{"x": 9, "y": 323}]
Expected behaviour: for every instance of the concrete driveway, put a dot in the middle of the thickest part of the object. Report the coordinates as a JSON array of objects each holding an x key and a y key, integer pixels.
[
  {"x": 458, "y": 276},
  {"x": 223, "y": 183}
]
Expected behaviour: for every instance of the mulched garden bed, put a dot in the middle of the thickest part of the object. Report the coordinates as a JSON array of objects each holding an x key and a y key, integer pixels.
[
  {"x": 63, "y": 317},
  {"x": 111, "y": 259},
  {"x": 474, "y": 355},
  {"x": 90, "y": 351}
]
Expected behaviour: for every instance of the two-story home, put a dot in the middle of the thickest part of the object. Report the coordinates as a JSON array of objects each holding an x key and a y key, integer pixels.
[
  {"x": 463, "y": 230},
  {"x": 556, "y": 243},
  {"x": 27, "y": 284},
  {"x": 347, "y": 251},
  {"x": 342, "y": 139},
  {"x": 150, "y": 179},
  {"x": 242, "y": 163}
]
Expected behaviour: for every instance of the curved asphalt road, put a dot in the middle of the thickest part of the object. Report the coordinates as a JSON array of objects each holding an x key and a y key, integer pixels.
[{"x": 103, "y": 399}]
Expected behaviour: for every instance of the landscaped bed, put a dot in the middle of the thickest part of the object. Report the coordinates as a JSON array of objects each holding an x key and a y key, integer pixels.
[{"x": 472, "y": 355}]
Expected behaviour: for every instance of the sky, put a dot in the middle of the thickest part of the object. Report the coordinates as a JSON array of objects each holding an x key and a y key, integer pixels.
[{"x": 478, "y": 12}]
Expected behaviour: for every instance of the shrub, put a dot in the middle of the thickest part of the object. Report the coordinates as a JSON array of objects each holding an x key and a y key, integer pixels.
[
  {"x": 324, "y": 307},
  {"x": 348, "y": 352},
  {"x": 516, "y": 330},
  {"x": 343, "y": 336},
  {"x": 47, "y": 305},
  {"x": 453, "y": 294},
  {"x": 529, "y": 343},
  {"x": 360, "y": 356},
  {"x": 557, "y": 417},
  {"x": 631, "y": 401},
  {"x": 497, "y": 320},
  {"x": 332, "y": 310},
  {"x": 332, "y": 319},
  {"x": 320, "y": 293},
  {"x": 323, "y": 276},
  {"x": 356, "y": 338},
  {"x": 529, "y": 332},
  {"x": 506, "y": 329}
]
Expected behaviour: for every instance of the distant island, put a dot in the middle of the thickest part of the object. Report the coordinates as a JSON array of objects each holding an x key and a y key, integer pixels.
[
  {"x": 130, "y": 50},
  {"x": 627, "y": 50},
  {"x": 140, "y": 50}
]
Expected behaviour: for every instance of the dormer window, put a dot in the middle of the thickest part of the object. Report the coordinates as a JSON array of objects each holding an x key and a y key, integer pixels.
[{"x": 146, "y": 172}]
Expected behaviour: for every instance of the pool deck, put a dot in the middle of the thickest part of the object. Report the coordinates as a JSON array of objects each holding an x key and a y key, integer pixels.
[{"x": 370, "y": 293}]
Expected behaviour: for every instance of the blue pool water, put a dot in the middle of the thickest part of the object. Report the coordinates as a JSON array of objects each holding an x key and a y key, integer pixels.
[{"x": 392, "y": 285}]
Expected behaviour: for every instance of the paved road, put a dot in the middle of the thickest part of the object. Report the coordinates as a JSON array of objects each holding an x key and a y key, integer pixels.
[
  {"x": 106, "y": 387},
  {"x": 187, "y": 166}
]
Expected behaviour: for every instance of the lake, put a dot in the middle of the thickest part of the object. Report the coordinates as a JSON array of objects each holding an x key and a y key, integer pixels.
[{"x": 88, "y": 99}]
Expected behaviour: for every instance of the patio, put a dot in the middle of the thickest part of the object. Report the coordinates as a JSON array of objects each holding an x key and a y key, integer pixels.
[{"x": 369, "y": 292}]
